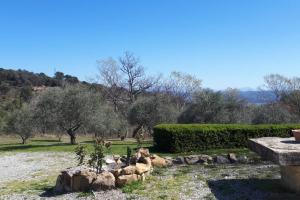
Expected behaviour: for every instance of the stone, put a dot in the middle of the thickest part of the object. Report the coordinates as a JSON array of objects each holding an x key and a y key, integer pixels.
[
  {"x": 283, "y": 151},
  {"x": 69, "y": 179},
  {"x": 143, "y": 152},
  {"x": 191, "y": 160},
  {"x": 179, "y": 160},
  {"x": 290, "y": 177},
  {"x": 145, "y": 160},
  {"x": 133, "y": 160},
  {"x": 205, "y": 159},
  {"x": 243, "y": 159},
  {"x": 131, "y": 169},
  {"x": 116, "y": 157},
  {"x": 82, "y": 181},
  {"x": 119, "y": 162},
  {"x": 221, "y": 160},
  {"x": 142, "y": 168},
  {"x": 116, "y": 172},
  {"x": 157, "y": 161},
  {"x": 232, "y": 157},
  {"x": 123, "y": 159},
  {"x": 109, "y": 161},
  {"x": 104, "y": 181},
  {"x": 59, "y": 185},
  {"x": 125, "y": 179}
]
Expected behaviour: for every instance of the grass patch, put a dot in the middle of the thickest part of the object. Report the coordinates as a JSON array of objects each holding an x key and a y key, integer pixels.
[
  {"x": 159, "y": 171},
  {"x": 132, "y": 187},
  {"x": 162, "y": 184},
  {"x": 51, "y": 144},
  {"x": 46, "y": 144},
  {"x": 86, "y": 194},
  {"x": 29, "y": 186}
]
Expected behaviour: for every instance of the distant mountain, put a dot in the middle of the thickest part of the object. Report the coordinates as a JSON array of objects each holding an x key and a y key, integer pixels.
[{"x": 257, "y": 97}]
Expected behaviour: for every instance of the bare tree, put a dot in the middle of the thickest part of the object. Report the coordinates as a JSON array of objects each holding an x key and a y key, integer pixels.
[
  {"x": 135, "y": 79},
  {"x": 181, "y": 87},
  {"x": 287, "y": 91},
  {"x": 278, "y": 84},
  {"x": 111, "y": 77}
]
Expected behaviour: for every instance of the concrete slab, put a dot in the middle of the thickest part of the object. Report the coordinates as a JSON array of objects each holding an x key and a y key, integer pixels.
[{"x": 283, "y": 151}]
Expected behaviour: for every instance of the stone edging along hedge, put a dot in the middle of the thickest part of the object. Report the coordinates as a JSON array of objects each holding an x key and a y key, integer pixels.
[{"x": 194, "y": 137}]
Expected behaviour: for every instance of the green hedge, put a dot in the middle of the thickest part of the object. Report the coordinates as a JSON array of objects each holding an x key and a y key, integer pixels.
[{"x": 196, "y": 137}]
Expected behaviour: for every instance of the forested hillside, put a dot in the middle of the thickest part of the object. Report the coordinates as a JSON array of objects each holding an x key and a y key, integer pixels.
[{"x": 19, "y": 86}]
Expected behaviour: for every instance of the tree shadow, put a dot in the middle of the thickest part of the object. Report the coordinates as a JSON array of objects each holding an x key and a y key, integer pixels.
[
  {"x": 31, "y": 146},
  {"x": 49, "y": 140},
  {"x": 290, "y": 142},
  {"x": 250, "y": 189},
  {"x": 49, "y": 192}
]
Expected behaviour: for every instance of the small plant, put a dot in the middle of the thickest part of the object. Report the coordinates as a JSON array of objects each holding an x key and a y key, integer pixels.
[
  {"x": 128, "y": 156},
  {"x": 80, "y": 152},
  {"x": 97, "y": 157},
  {"x": 139, "y": 137}
]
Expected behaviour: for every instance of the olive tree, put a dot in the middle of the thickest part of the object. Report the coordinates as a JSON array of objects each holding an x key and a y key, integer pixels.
[
  {"x": 147, "y": 112},
  {"x": 21, "y": 122},
  {"x": 272, "y": 113},
  {"x": 45, "y": 110},
  {"x": 207, "y": 107},
  {"x": 75, "y": 107}
]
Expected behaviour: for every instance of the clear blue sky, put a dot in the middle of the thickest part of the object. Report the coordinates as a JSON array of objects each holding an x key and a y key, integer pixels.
[{"x": 226, "y": 43}]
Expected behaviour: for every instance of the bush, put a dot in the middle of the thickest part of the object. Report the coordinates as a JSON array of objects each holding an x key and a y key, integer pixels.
[{"x": 196, "y": 137}]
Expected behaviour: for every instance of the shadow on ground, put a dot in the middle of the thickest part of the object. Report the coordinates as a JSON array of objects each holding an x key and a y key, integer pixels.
[
  {"x": 250, "y": 189},
  {"x": 31, "y": 146}
]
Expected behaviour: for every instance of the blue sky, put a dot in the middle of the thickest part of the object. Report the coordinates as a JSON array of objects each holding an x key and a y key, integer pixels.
[{"x": 231, "y": 43}]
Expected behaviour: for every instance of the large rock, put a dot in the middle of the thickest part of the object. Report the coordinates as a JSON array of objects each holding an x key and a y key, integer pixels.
[
  {"x": 205, "y": 159},
  {"x": 142, "y": 168},
  {"x": 232, "y": 157},
  {"x": 179, "y": 160},
  {"x": 221, "y": 160},
  {"x": 157, "y": 161},
  {"x": 145, "y": 160},
  {"x": 83, "y": 180},
  {"x": 125, "y": 179},
  {"x": 243, "y": 159},
  {"x": 74, "y": 179},
  {"x": 131, "y": 169},
  {"x": 192, "y": 159},
  {"x": 133, "y": 160},
  {"x": 143, "y": 152},
  {"x": 116, "y": 172},
  {"x": 104, "y": 181}
]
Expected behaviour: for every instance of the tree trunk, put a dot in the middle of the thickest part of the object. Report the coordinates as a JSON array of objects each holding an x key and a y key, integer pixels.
[
  {"x": 23, "y": 140},
  {"x": 136, "y": 130},
  {"x": 72, "y": 135}
]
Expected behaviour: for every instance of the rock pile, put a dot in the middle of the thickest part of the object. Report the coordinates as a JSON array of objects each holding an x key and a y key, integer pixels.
[
  {"x": 116, "y": 173},
  {"x": 206, "y": 159}
]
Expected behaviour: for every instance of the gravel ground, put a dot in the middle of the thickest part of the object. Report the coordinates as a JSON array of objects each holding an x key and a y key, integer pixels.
[
  {"x": 23, "y": 166},
  {"x": 222, "y": 182}
]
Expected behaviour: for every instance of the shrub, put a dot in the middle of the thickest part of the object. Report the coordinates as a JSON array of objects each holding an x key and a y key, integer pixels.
[{"x": 195, "y": 137}]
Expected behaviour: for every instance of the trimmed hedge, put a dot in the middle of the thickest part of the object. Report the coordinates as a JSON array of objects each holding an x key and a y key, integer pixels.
[{"x": 196, "y": 137}]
